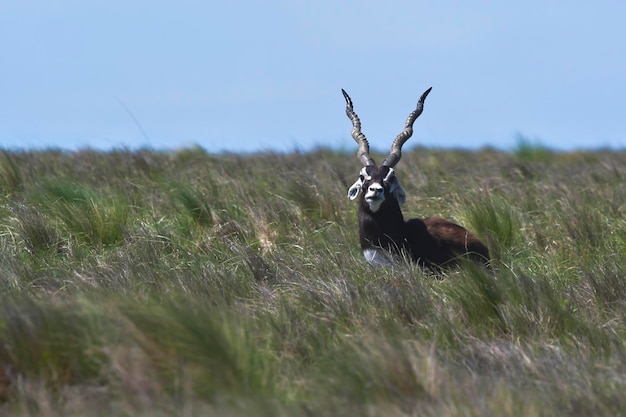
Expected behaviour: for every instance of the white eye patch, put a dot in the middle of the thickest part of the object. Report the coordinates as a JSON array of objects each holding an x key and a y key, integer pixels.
[
  {"x": 389, "y": 175},
  {"x": 356, "y": 188},
  {"x": 366, "y": 176}
]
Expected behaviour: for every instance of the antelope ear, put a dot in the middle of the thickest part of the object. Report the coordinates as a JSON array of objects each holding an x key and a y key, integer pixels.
[
  {"x": 399, "y": 194},
  {"x": 355, "y": 189},
  {"x": 397, "y": 191}
]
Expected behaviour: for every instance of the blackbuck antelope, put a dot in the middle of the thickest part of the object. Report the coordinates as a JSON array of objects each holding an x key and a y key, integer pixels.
[{"x": 433, "y": 242}]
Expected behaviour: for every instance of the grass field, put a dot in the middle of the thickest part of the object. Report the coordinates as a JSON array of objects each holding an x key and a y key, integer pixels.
[{"x": 184, "y": 283}]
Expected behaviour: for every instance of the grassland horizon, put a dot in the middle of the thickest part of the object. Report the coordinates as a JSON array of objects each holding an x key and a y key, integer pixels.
[{"x": 184, "y": 283}]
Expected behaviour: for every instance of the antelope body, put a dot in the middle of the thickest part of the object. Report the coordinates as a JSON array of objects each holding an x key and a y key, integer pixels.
[{"x": 433, "y": 242}]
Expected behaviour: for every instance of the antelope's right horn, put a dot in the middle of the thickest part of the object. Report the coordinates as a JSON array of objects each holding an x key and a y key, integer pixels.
[{"x": 364, "y": 148}]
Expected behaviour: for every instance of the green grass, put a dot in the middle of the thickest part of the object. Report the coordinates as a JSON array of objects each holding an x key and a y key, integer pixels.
[
  {"x": 531, "y": 150},
  {"x": 185, "y": 283}
]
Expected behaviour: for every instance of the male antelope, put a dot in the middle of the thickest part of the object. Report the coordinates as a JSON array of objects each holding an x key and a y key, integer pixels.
[{"x": 431, "y": 242}]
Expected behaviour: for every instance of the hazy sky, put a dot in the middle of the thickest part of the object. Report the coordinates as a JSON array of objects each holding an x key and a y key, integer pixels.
[{"x": 251, "y": 75}]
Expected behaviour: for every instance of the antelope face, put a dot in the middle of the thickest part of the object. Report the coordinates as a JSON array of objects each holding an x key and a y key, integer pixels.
[
  {"x": 375, "y": 185},
  {"x": 378, "y": 184}
]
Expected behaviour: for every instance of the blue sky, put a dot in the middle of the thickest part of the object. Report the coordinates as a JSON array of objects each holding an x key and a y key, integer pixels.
[{"x": 248, "y": 76}]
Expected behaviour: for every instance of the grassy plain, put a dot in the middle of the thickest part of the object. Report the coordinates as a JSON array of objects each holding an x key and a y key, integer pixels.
[{"x": 184, "y": 283}]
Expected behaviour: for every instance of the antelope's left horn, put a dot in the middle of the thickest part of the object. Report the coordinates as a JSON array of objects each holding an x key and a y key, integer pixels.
[{"x": 396, "y": 147}]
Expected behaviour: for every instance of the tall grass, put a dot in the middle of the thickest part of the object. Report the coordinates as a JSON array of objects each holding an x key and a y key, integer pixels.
[{"x": 184, "y": 283}]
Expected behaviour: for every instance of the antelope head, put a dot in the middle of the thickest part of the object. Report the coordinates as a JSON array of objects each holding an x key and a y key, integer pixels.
[{"x": 377, "y": 183}]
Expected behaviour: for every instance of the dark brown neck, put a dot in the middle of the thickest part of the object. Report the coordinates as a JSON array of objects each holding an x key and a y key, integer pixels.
[{"x": 385, "y": 228}]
